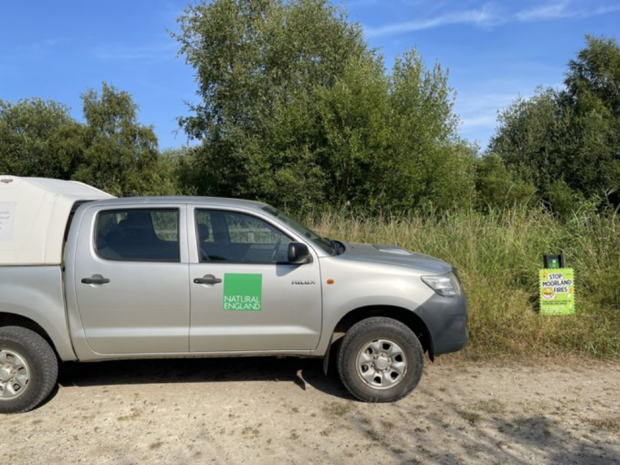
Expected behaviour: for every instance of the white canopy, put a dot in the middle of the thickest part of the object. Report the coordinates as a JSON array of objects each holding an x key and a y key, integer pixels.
[{"x": 34, "y": 214}]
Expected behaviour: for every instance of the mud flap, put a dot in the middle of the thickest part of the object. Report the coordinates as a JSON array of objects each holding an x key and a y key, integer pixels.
[{"x": 327, "y": 355}]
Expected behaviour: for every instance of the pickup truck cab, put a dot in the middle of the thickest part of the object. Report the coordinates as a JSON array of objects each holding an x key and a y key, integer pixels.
[{"x": 88, "y": 277}]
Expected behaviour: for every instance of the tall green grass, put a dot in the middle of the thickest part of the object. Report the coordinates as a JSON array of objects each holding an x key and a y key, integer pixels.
[{"x": 498, "y": 256}]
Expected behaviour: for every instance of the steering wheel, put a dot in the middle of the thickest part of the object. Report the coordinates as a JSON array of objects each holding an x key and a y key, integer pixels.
[{"x": 275, "y": 250}]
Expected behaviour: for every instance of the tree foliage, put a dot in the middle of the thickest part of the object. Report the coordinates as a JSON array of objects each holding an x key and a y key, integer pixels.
[
  {"x": 567, "y": 142},
  {"x": 39, "y": 138},
  {"x": 295, "y": 109},
  {"x": 121, "y": 155},
  {"x": 499, "y": 186},
  {"x": 111, "y": 150}
]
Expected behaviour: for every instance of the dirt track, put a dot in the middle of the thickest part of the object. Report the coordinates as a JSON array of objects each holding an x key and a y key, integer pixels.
[{"x": 262, "y": 411}]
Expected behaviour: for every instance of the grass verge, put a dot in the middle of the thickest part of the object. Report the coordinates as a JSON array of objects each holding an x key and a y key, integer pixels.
[{"x": 498, "y": 256}]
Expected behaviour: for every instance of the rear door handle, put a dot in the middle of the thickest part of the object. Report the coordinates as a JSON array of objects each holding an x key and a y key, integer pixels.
[
  {"x": 96, "y": 279},
  {"x": 208, "y": 279}
]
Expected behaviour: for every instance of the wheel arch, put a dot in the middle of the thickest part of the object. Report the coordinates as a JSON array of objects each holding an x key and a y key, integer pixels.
[
  {"x": 405, "y": 316},
  {"x": 12, "y": 319}
]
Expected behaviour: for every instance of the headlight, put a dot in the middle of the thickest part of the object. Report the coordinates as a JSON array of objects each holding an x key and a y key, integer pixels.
[{"x": 446, "y": 285}]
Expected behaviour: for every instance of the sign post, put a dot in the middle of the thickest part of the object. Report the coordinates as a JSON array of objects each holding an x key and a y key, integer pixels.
[{"x": 554, "y": 261}]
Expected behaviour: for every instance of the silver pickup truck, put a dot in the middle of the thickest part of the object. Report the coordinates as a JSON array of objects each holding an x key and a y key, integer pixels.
[{"x": 88, "y": 277}]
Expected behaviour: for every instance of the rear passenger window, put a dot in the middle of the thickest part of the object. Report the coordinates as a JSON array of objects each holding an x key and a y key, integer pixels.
[{"x": 150, "y": 235}]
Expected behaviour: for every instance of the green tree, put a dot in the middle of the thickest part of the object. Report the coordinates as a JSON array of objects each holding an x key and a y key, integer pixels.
[
  {"x": 39, "y": 138},
  {"x": 428, "y": 164},
  {"x": 121, "y": 155},
  {"x": 567, "y": 142},
  {"x": 593, "y": 95},
  {"x": 175, "y": 168},
  {"x": 498, "y": 186},
  {"x": 112, "y": 150},
  {"x": 295, "y": 109},
  {"x": 528, "y": 137}
]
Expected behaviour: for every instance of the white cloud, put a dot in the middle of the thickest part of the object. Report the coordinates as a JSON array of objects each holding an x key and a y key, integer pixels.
[
  {"x": 564, "y": 9},
  {"x": 544, "y": 12},
  {"x": 480, "y": 110},
  {"x": 158, "y": 51},
  {"x": 47, "y": 44},
  {"x": 490, "y": 15},
  {"x": 476, "y": 17},
  {"x": 360, "y": 2}
]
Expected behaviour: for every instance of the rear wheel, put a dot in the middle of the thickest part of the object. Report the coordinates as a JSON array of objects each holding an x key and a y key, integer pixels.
[
  {"x": 28, "y": 369},
  {"x": 380, "y": 360}
]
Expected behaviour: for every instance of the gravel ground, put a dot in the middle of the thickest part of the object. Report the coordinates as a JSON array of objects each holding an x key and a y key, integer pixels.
[{"x": 286, "y": 411}]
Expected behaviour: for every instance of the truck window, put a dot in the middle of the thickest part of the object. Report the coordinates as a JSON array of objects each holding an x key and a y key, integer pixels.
[
  {"x": 232, "y": 237},
  {"x": 150, "y": 235}
]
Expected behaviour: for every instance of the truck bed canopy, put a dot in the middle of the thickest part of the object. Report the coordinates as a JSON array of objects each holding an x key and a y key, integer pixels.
[{"x": 34, "y": 214}]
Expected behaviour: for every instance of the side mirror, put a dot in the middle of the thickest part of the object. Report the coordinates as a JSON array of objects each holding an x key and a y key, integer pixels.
[{"x": 298, "y": 253}]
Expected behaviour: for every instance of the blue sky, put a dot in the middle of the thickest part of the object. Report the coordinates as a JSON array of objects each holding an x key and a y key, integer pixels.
[{"x": 494, "y": 50}]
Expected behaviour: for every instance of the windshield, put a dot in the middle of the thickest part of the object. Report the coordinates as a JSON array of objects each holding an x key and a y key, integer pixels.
[{"x": 313, "y": 237}]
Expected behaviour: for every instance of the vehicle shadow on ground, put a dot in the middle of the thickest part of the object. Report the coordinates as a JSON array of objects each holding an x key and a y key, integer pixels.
[{"x": 300, "y": 372}]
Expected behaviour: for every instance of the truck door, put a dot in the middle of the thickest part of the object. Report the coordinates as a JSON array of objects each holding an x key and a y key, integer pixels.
[
  {"x": 132, "y": 279},
  {"x": 244, "y": 294}
]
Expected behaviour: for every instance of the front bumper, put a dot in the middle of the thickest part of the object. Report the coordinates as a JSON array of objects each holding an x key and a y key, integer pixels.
[{"x": 446, "y": 321}]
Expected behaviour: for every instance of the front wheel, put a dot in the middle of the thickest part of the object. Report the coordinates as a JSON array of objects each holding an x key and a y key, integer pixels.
[
  {"x": 380, "y": 360},
  {"x": 28, "y": 369}
]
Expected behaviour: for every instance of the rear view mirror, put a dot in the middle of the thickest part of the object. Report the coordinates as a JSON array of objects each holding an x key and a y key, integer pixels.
[{"x": 298, "y": 253}]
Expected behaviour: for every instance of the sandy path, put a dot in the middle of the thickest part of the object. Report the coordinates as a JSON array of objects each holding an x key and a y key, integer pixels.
[{"x": 261, "y": 411}]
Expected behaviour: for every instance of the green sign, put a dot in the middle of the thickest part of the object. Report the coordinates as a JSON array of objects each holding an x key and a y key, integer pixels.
[
  {"x": 243, "y": 292},
  {"x": 557, "y": 291}
]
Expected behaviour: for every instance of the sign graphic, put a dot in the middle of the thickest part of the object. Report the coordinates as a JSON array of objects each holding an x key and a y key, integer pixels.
[
  {"x": 243, "y": 292},
  {"x": 557, "y": 291},
  {"x": 7, "y": 219}
]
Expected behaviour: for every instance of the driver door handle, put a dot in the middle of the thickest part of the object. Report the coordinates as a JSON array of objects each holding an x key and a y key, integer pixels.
[{"x": 209, "y": 279}]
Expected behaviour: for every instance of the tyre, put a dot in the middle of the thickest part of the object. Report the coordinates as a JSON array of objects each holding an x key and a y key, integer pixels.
[
  {"x": 28, "y": 369},
  {"x": 380, "y": 360}
]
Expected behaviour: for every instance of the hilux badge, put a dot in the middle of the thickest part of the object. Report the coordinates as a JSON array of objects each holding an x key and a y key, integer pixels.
[{"x": 302, "y": 283}]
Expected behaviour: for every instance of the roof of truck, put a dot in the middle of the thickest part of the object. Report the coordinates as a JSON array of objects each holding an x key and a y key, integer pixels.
[
  {"x": 215, "y": 201},
  {"x": 34, "y": 214}
]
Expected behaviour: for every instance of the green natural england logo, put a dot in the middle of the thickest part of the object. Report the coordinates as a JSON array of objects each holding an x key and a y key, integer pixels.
[{"x": 243, "y": 292}]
